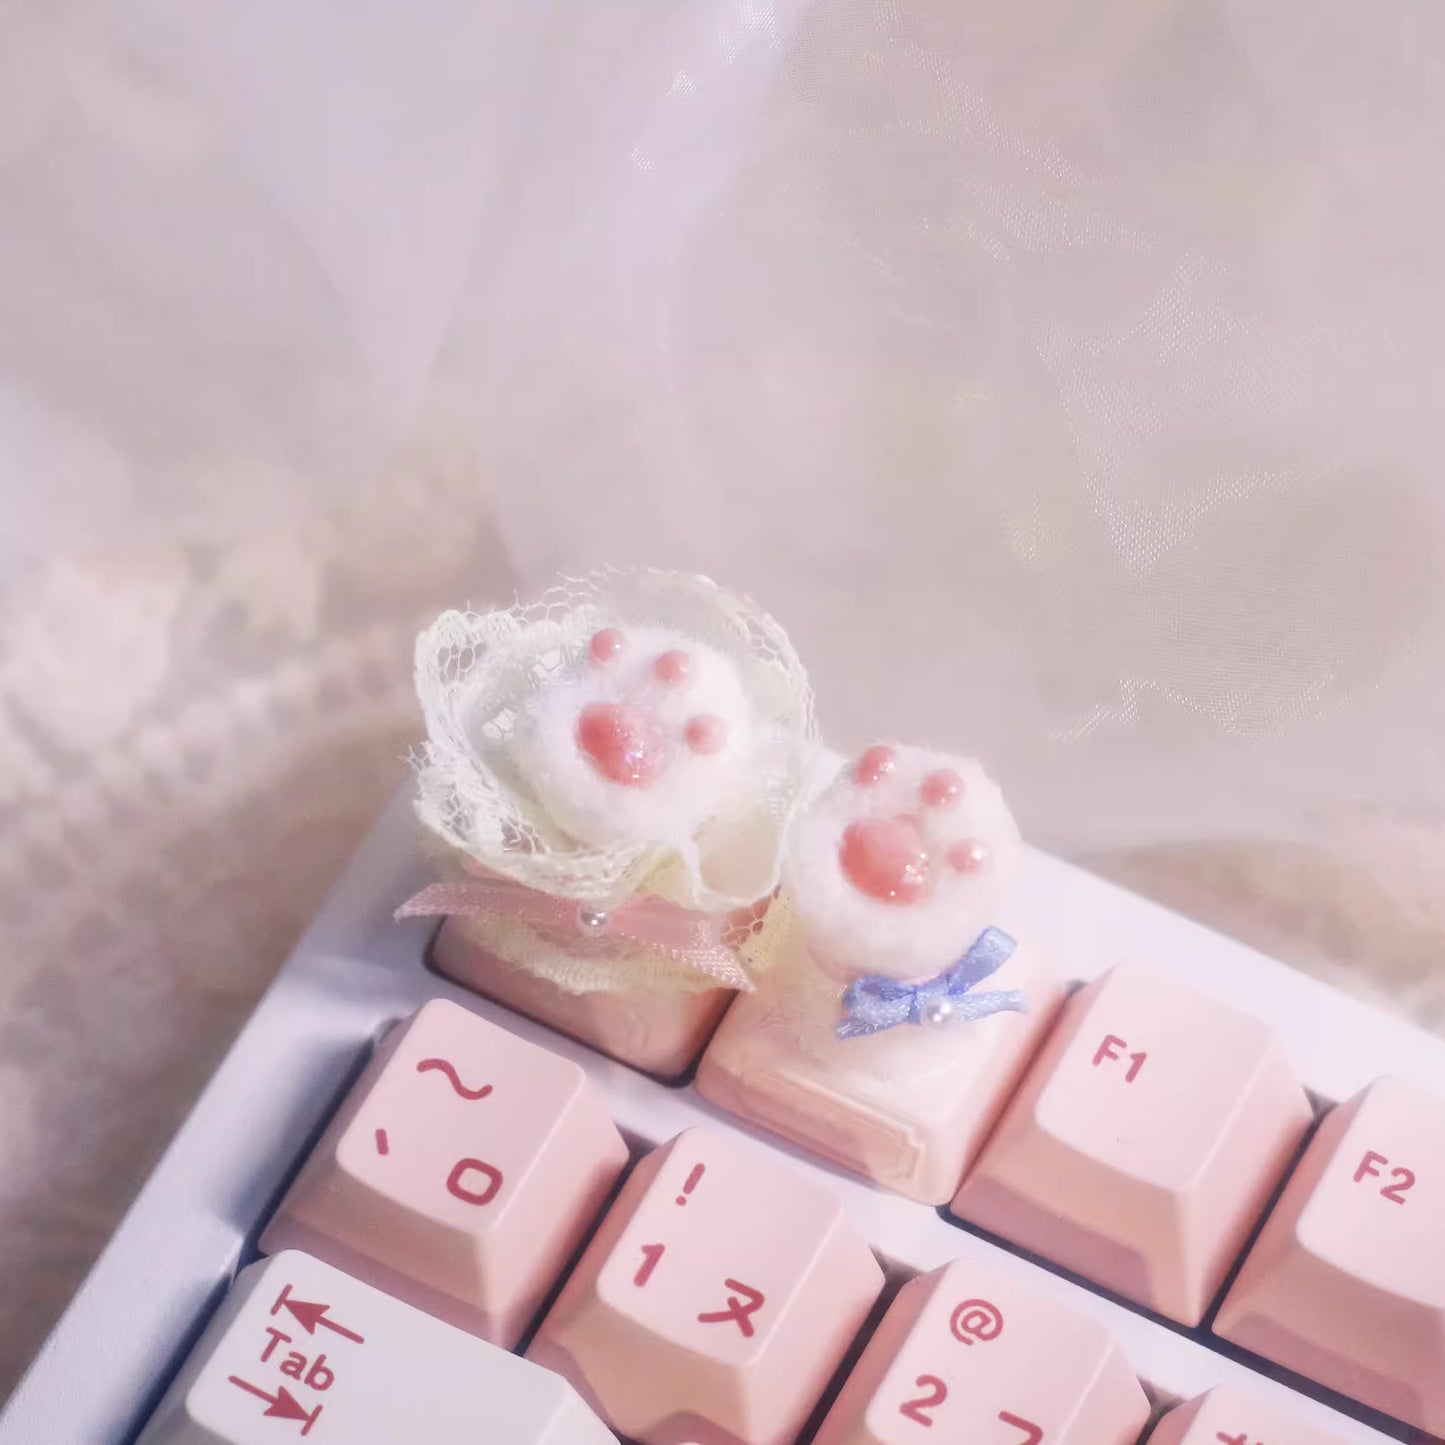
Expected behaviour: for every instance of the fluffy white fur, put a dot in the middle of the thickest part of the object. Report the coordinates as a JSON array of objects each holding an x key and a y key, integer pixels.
[
  {"x": 692, "y": 787},
  {"x": 850, "y": 933}
]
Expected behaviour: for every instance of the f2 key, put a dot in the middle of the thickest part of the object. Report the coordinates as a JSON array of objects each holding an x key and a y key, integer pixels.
[
  {"x": 715, "y": 1301},
  {"x": 1144, "y": 1143},
  {"x": 460, "y": 1174},
  {"x": 967, "y": 1353},
  {"x": 1346, "y": 1282}
]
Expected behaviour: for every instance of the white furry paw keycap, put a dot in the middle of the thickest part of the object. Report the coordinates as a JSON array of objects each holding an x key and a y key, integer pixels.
[
  {"x": 299, "y": 1350},
  {"x": 864, "y": 1039}
]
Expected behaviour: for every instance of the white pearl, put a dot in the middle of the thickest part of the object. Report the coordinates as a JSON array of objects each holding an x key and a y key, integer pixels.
[
  {"x": 936, "y": 1012},
  {"x": 593, "y": 920}
]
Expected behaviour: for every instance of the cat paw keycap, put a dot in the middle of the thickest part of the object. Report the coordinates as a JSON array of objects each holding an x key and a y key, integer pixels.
[
  {"x": 300, "y": 1351},
  {"x": 716, "y": 1300},
  {"x": 1346, "y": 1282},
  {"x": 967, "y": 1353},
  {"x": 460, "y": 1174},
  {"x": 1145, "y": 1142}
]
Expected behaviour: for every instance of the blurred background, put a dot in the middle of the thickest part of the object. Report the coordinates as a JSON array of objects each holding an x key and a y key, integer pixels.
[{"x": 1066, "y": 378}]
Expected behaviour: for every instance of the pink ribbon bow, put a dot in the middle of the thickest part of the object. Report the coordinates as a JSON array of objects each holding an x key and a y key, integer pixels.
[{"x": 690, "y": 937}]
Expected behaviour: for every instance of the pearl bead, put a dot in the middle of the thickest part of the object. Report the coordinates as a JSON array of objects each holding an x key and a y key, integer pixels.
[
  {"x": 936, "y": 1012},
  {"x": 593, "y": 920}
]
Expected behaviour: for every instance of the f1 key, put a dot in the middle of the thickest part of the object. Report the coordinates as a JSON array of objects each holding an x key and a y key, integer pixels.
[
  {"x": 715, "y": 1301},
  {"x": 460, "y": 1174},
  {"x": 299, "y": 1351},
  {"x": 967, "y": 1353},
  {"x": 1144, "y": 1143},
  {"x": 1346, "y": 1282}
]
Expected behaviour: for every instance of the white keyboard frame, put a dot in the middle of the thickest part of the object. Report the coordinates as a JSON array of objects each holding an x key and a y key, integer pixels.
[{"x": 355, "y": 971}]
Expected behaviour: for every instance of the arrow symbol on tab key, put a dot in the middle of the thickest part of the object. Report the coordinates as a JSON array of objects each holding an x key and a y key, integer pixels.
[
  {"x": 309, "y": 1316},
  {"x": 283, "y": 1405}
]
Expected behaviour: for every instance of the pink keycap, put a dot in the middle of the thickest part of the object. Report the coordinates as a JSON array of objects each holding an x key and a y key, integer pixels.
[
  {"x": 660, "y": 1031},
  {"x": 715, "y": 1301},
  {"x": 460, "y": 1174},
  {"x": 1228, "y": 1415},
  {"x": 908, "y": 1108},
  {"x": 967, "y": 1353},
  {"x": 1346, "y": 1282},
  {"x": 1144, "y": 1143}
]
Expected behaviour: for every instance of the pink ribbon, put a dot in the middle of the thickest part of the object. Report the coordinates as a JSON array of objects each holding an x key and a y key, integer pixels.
[{"x": 692, "y": 938}]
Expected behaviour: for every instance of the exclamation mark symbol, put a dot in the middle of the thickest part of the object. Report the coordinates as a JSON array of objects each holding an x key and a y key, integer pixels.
[{"x": 693, "y": 1180}]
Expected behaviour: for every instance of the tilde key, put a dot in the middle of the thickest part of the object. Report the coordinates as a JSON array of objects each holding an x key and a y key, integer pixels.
[
  {"x": 460, "y": 1175},
  {"x": 299, "y": 1350}
]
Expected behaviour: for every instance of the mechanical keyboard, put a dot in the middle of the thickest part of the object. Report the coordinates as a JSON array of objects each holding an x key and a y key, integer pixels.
[{"x": 402, "y": 1212}]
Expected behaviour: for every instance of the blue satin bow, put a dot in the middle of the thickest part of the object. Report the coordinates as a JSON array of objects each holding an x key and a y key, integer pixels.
[{"x": 874, "y": 1003}]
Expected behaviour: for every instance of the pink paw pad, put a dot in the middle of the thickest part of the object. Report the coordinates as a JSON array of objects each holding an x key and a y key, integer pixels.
[
  {"x": 707, "y": 733},
  {"x": 874, "y": 766},
  {"x": 970, "y": 856},
  {"x": 625, "y": 743},
  {"x": 941, "y": 789},
  {"x": 888, "y": 859},
  {"x": 672, "y": 668},
  {"x": 607, "y": 645},
  {"x": 892, "y": 859}
]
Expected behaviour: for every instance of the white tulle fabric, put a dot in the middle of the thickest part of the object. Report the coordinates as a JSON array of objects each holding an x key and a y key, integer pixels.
[{"x": 1066, "y": 377}]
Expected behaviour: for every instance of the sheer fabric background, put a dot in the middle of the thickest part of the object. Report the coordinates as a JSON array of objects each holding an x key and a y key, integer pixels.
[{"x": 1066, "y": 378}]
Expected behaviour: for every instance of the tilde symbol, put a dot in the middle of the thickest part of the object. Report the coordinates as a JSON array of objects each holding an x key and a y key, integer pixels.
[{"x": 738, "y": 1309}]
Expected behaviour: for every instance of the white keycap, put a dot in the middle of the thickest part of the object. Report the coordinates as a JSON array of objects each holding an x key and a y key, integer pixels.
[{"x": 300, "y": 1350}]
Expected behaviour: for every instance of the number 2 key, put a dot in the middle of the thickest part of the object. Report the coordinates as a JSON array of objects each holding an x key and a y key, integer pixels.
[{"x": 967, "y": 1353}]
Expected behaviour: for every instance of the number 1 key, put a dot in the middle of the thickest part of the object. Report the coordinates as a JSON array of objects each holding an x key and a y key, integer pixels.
[{"x": 715, "y": 1301}]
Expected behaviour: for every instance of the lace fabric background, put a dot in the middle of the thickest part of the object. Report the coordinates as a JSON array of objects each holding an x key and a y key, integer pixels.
[{"x": 1067, "y": 379}]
